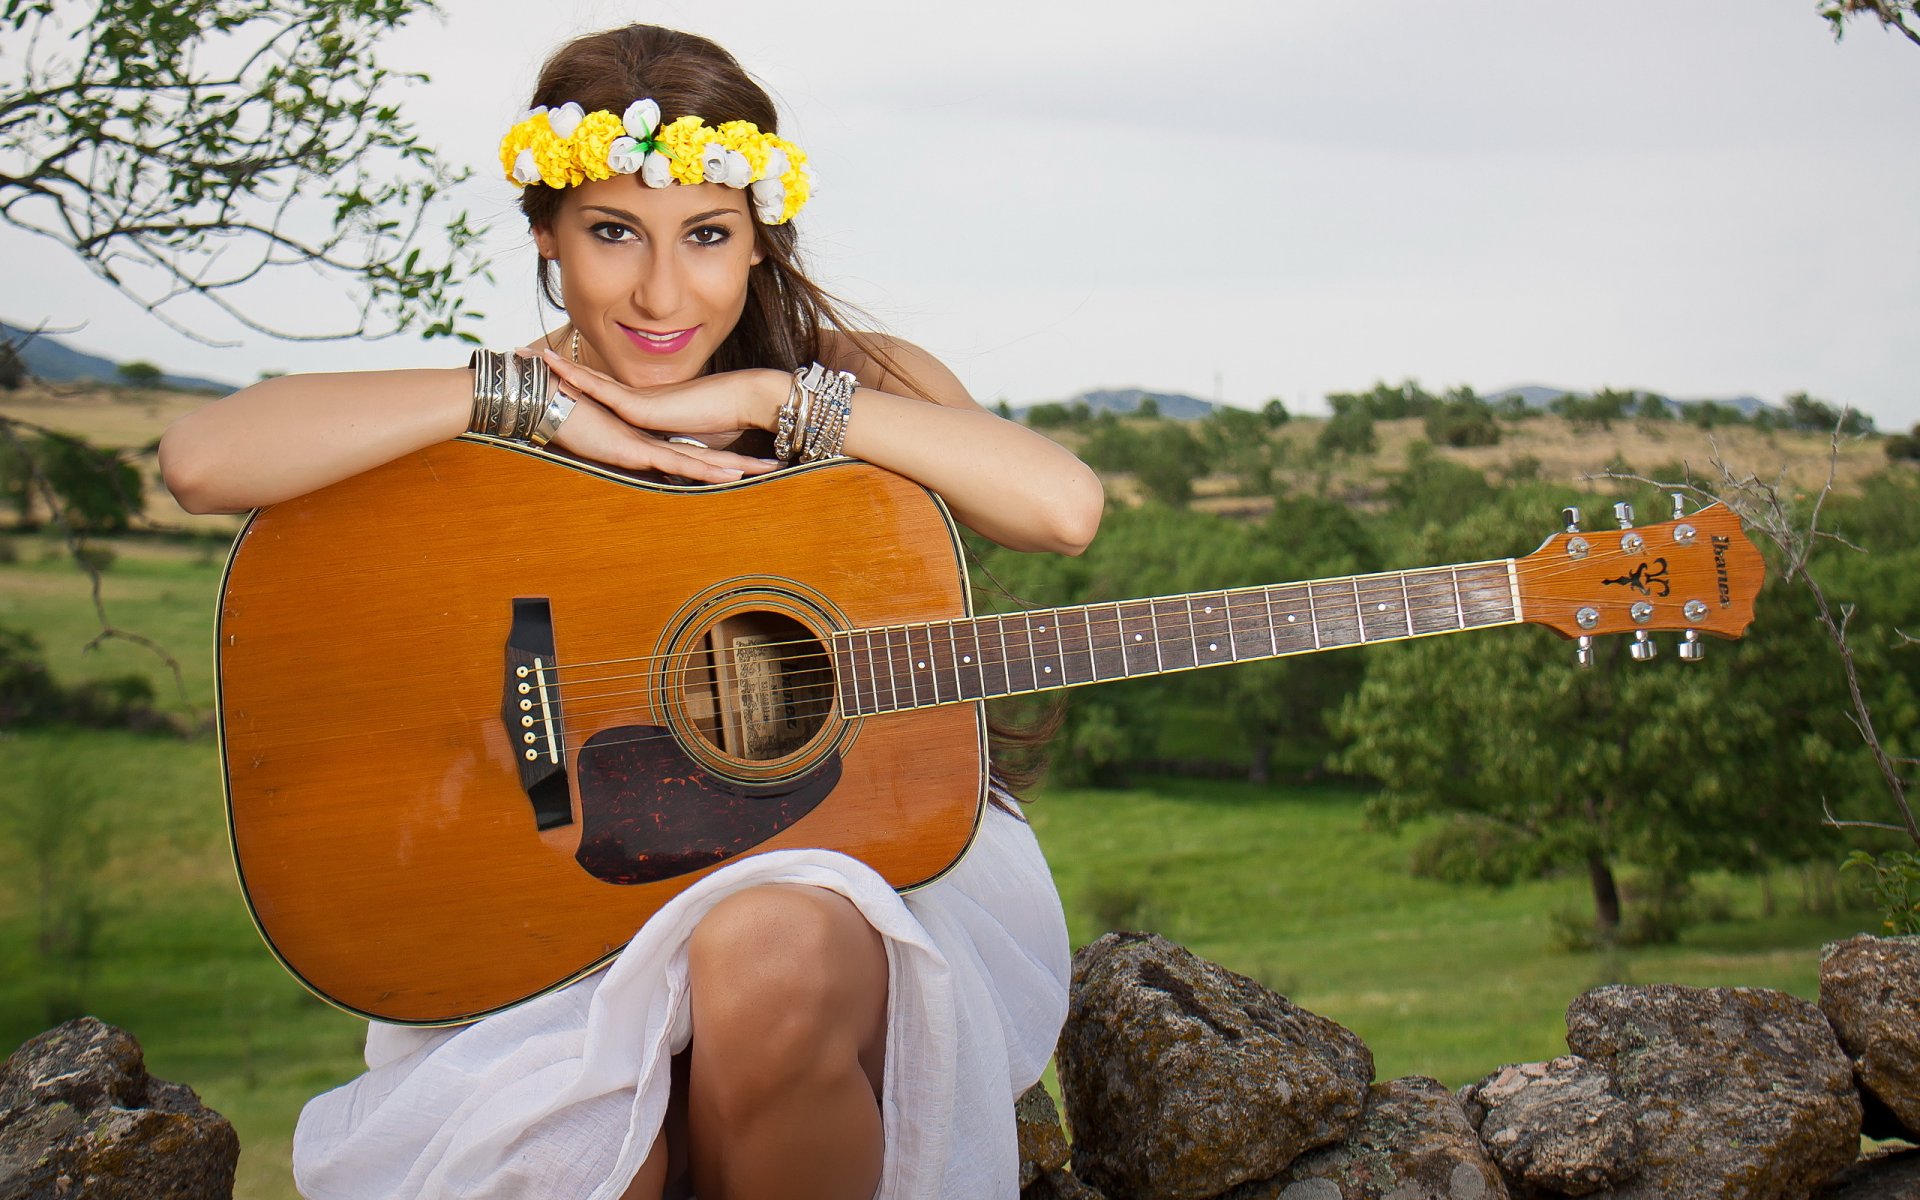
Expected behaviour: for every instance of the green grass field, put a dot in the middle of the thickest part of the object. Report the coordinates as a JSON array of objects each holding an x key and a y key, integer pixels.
[{"x": 1288, "y": 886}]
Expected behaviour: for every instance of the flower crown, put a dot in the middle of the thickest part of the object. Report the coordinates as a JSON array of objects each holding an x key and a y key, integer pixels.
[{"x": 567, "y": 146}]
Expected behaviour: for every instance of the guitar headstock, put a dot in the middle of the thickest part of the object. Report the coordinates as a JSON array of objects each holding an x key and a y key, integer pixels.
[{"x": 1698, "y": 573}]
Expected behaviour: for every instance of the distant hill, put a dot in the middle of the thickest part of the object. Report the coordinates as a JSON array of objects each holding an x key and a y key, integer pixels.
[
  {"x": 1535, "y": 395},
  {"x": 49, "y": 358},
  {"x": 1177, "y": 405}
]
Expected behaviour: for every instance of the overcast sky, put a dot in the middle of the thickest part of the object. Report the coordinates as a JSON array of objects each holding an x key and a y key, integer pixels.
[{"x": 1262, "y": 199}]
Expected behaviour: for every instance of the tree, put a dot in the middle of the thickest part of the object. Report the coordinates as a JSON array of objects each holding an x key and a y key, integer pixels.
[
  {"x": 139, "y": 374},
  {"x": 13, "y": 372},
  {"x": 1669, "y": 768},
  {"x": 1348, "y": 432},
  {"x": 1275, "y": 413},
  {"x": 1817, "y": 416},
  {"x": 1902, "y": 16},
  {"x": 184, "y": 150}
]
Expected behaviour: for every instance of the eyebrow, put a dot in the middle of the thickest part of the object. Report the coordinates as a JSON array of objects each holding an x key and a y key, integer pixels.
[{"x": 632, "y": 218}]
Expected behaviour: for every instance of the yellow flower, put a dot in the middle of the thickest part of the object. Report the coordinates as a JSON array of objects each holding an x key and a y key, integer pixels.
[
  {"x": 593, "y": 140},
  {"x": 682, "y": 141}
]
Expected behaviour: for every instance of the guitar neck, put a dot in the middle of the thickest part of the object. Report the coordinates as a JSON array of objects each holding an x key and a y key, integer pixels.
[{"x": 899, "y": 667}]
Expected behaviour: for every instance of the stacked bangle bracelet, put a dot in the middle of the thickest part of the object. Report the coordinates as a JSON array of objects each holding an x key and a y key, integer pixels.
[
  {"x": 515, "y": 399},
  {"x": 813, "y": 422}
]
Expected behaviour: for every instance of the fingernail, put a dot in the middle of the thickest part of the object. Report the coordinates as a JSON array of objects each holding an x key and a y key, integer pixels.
[{"x": 770, "y": 462}]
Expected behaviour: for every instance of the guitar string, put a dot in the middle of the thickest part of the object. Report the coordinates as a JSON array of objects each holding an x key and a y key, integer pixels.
[
  {"x": 1416, "y": 592},
  {"x": 1199, "y": 626},
  {"x": 580, "y": 706},
  {"x": 1389, "y": 581},
  {"x": 826, "y": 705}
]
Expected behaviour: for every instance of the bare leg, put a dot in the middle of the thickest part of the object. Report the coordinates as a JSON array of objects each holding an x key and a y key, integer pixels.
[
  {"x": 652, "y": 1177},
  {"x": 789, "y": 992}
]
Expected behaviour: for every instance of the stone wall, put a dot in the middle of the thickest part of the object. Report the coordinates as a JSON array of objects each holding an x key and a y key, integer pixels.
[{"x": 1185, "y": 1081}]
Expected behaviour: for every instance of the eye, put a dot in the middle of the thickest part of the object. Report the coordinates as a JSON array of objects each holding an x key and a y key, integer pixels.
[
  {"x": 709, "y": 235},
  {"x": 612, "y": 231}
]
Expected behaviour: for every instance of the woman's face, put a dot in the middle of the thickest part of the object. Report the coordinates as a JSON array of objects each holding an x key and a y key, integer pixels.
[{"x": 654, "y": 278}]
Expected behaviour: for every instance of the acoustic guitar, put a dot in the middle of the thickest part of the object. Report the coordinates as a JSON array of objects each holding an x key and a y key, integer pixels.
[{"x": 484, "y": 710}]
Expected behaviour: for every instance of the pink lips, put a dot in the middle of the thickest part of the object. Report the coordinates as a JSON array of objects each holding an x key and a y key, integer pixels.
[{"x": 654, "y": 344}]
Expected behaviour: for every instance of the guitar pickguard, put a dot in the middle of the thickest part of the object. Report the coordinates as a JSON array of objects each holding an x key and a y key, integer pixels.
[{"x": 649, "y": 812}]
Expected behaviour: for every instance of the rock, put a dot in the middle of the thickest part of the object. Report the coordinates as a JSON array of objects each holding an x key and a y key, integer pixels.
[
  {"x": 1737, "y": 1093},
  {"x": 1413, "y": 1142},
  {"x": 1182, "y": 1079},
  {"x": 1870, "y": 991},
  {"x": 80, "y": 1117},
  {"x": 1043, "y": 1144},
  {"x": 1884, "y": 1177},
  {"x": 1059, "y": 1185},
  {"x": 1554, "y": 1128}
]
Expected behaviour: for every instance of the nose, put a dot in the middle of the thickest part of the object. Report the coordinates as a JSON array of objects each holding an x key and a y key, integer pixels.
[{"x": 662, "y": 283}]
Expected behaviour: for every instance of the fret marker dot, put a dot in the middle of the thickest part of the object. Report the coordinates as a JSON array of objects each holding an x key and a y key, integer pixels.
[
  {"x": 1046, "y": 670},
  {"x": 1291, "y": 618},
  {"x": 1139, "y": 637},
  {"x": 921, "y": 665},
  {"x": 1213, "y": 645},
  {"x": 1381, "y": 607},
  {"x": 1209, "y": 608},
  {"x": 1043, "y": 629},
  {"x": 966, "y": 658}
]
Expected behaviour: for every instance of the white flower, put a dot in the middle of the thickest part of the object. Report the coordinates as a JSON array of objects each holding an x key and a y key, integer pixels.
[
  {"x": 565, "y": 119},
  {"x": 769, "y": 200},
  {"x": 525, "y": 170},
  {"x": 713, "y": 162},
  {"x": 777, "y": 164},
  {"x": 621, "y": 156},
  {"x": 657, "y": 171},
  {"x": 813, "y": 187},
  {"x": 641, "y": 118},
  {"x": 739, "y": 171},
  {"x": 538, "y": 110}
]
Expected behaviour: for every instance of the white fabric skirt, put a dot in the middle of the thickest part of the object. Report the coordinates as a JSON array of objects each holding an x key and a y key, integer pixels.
[{"x": 561, "y": 1097}]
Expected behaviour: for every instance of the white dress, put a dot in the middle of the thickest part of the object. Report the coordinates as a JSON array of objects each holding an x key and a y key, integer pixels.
[{"x": 561, "y": 1097}]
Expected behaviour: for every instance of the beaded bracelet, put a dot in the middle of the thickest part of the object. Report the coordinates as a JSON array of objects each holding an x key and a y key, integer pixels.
[{"x": 812, "y": 424}]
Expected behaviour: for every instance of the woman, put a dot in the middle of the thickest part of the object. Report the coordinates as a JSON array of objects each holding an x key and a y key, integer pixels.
[{"x": 788, "y": 1027}]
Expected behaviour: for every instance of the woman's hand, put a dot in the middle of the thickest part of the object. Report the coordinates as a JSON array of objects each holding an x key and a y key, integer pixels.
[{"x": 629, "y": 427}]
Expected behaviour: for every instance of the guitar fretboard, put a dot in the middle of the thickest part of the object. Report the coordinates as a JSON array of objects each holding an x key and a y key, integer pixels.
[{"x": 897, "y": 667}]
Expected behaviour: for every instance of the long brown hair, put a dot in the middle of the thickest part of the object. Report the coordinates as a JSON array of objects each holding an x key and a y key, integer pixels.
[{"x": 786, "y": 313}]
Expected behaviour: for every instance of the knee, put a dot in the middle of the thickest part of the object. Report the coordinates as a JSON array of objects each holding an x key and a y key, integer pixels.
[{"x": 790, "y": 979}]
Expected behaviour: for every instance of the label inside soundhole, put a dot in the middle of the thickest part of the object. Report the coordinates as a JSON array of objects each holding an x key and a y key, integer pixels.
[{"x": 759, "y": 686}]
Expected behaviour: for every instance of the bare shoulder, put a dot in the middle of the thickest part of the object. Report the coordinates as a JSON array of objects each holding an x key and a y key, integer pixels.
[{"x": 888, "y": 364}]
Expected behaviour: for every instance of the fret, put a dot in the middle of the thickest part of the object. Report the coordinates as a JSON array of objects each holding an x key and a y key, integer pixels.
[
  {"x": 930, "y": 666},
  {"x": 1212, "y": 628},
  {"x": 1435, "y": 609},
  {"x": 1076, "y": 666},
  {"x": 900, "y": 662},
  {"x": 1019, "y": 653},
  {"x": 1273, "y": 627},
  {"x": 1135, "y": 621},
  {"x": 1406, "y": 603},
  {"x": 1249, "y": 624},
  {"x": 1489, "y": 600},
  {"x": 1337, "y": 616},
  {"x": 1171, "y": 653},
  {"x": 846, "y": 678},
  {"x": 1313, "y": 616},
  {"x": 999, "y": 683},
  {"x": 1110, "y": 647},
  {"x": 1377, "y": 596},
  {"x": 1293, "y": 634},
  {"x": 1047, "y": 671},
  {"x": 969, "y": 674},
  {"x": 1359, "y": 607},
  {"x": 1458, "y": 605}
]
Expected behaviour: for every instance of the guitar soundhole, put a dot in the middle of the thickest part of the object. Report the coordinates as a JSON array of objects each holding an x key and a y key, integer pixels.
[{"x": 758, "y": 685}]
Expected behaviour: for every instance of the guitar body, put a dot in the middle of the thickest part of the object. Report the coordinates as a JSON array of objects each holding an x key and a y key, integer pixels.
[{"x": 483, "y": 711}]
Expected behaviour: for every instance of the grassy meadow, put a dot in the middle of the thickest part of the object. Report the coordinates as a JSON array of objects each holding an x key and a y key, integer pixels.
[{"x": 125, "y": 835}]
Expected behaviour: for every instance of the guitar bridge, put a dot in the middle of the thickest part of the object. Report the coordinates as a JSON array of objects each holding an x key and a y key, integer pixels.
[{"x": 532, "y": 713}]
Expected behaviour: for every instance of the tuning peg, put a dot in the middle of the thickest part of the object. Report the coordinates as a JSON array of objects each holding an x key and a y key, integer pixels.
[
  {"x": 1623, "y": 513},
  {"x": 1583, "y": 651},
  {"x": 1571, "y": 516},
  {"x": 1679, "y": 505},
  {"x": 1643, "y": 649},
  {"x": 1692, "y": 649}
]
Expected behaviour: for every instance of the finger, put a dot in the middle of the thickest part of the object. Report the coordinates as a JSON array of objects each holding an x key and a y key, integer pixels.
[{"x": 584, "y": 380}]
